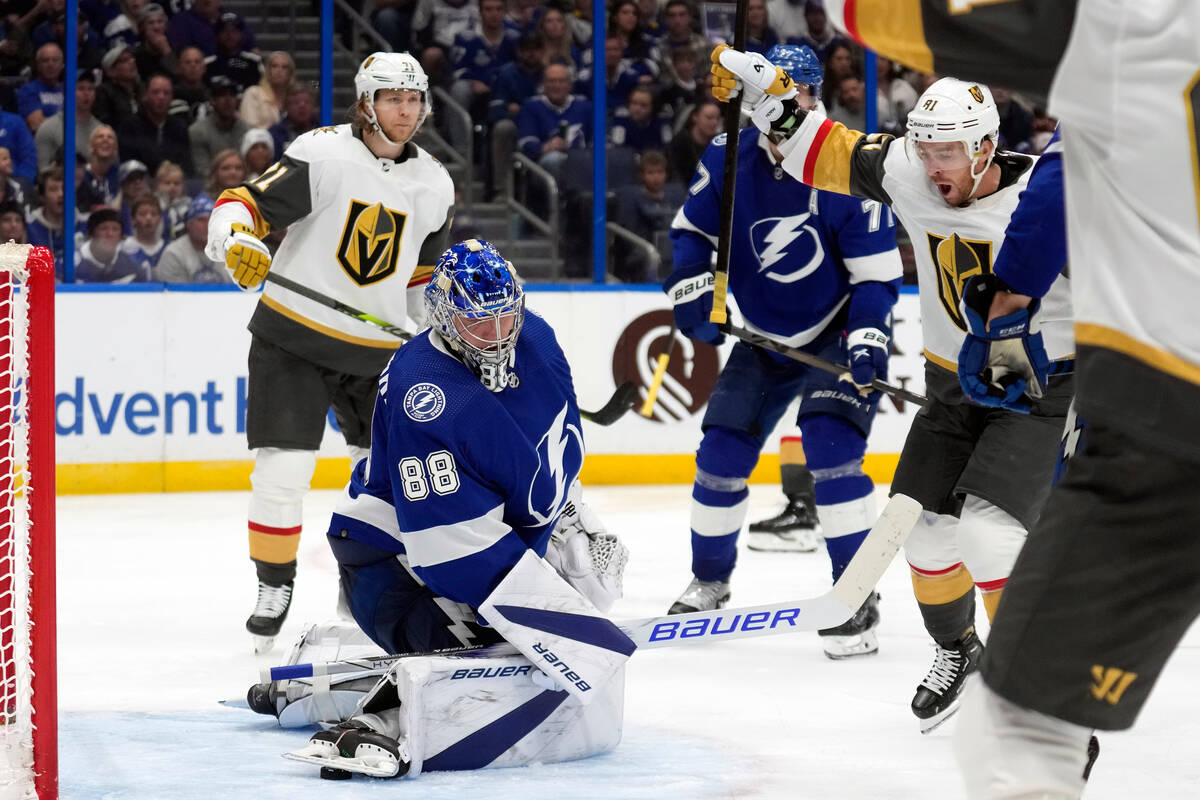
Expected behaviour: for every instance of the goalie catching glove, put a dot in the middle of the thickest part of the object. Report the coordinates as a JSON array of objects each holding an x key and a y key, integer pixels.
[
  {"x": 585, "y": 554},
  {"x": 1003, "y": 363},
  {"x": 246, "y": 256}
]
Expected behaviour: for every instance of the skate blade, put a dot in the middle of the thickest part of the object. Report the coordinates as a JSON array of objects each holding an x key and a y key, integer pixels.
[
  {"x": 841, "y": 647},
  {"x": 937, "y": 720},
  {"x": 262, "y": 644},
  {"x": 774, "y": 543},
  {"x": 375, "y": 763}
]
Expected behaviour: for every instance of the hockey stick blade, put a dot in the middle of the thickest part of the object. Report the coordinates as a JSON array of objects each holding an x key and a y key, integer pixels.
[
  {"x": 828, "y": 610},
  {"x": 620, "y": 402},
  {"x": 816, "y": 361}
]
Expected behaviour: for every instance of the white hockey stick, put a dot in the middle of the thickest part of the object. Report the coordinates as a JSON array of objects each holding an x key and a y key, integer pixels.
[{"x": 828, "y": 610}]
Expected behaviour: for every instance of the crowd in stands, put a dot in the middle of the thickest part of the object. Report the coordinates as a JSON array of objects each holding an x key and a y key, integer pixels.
[{"x": 175, "y": 102}]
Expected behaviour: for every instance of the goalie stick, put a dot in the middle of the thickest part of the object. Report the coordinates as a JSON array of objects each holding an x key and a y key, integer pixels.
[
  {"x": 828, "y": 610},
  {"x": 620, "y": 402},
  {"x": 820, "y": 363}
]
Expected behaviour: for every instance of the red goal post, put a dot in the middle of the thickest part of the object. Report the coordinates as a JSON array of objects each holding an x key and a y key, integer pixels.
[{"x": 28, "y": 691}]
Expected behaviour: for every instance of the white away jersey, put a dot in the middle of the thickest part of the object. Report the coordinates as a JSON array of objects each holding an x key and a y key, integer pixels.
[
  {"x": 949, "y": 244},
  {"x": 360, "y": 229}
]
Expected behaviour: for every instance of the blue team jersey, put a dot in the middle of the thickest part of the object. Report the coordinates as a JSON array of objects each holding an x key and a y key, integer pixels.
[
  {"x": 797, "y": 255},
  {"x": 540, "y": 120},
  {"x": 475, "y": 58},
  {"x": 1035, "y": 243},
  {"x": 460, "y": 479}
]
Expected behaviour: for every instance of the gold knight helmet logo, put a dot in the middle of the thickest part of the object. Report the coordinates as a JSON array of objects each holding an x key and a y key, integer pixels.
[
  {"x": 957, "y": 259},
  {"x": 976, "y": 94},
  {"x": 370, "y": 242}
]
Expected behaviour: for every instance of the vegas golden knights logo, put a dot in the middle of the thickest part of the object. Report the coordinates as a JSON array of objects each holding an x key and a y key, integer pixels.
[
  {"x": 956, "y": 260},
  {"x": 976, "y": 94},
  {"x": 370, "y": 242}
]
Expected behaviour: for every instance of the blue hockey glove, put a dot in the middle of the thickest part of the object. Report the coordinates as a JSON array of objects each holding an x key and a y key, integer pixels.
[
  {"x": 691, "y": 293},
  {"x": 1002, "y": 364},
  {"x": 868, "y": 349}
]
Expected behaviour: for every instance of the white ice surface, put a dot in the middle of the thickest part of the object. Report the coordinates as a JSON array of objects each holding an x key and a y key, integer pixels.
[{"x": 153, "y": 591}]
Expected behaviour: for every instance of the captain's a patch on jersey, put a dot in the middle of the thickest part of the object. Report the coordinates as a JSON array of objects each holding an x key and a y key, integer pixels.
[{"x": 424, "y": 402}]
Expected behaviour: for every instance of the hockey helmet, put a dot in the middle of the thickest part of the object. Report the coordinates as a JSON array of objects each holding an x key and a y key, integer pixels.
[
  {"x": 800, "y": 63},
  {"x": 955, "y": 111},
  {"x": 390, "y": 71},
  {"x": 476, "y": 304}
]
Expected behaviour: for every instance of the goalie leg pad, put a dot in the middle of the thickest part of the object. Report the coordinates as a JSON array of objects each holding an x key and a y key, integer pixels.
[{"x": 460, "y": 712}]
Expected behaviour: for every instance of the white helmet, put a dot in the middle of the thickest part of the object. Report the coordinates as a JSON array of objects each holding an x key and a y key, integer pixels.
[
  {"x": 390, "y": 71},
  {"x": 956, "y": 111}
]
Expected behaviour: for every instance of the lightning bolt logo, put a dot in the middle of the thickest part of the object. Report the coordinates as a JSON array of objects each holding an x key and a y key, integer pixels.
[
  {"x": 554, "y": 444},
  {"x": 424, "y": 402},
  {"x": 781, "y": 234}
]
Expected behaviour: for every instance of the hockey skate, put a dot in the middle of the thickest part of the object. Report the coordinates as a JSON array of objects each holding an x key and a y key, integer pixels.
[
  {"x": 938, "y": 695},
  {"x": 793, "y": 530},
  {"x": 353, "y": 746},
  {"x": 269, "y": 613},
  {"x": 856, "y": 636},
  {"x": 701, "y": 596}
]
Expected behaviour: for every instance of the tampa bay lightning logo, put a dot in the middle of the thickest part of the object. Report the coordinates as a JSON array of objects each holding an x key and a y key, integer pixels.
[
  {"x": 424, "y": 402},
  {"x": 560, "y": 455},
  {"x": 788, "y": 248}
]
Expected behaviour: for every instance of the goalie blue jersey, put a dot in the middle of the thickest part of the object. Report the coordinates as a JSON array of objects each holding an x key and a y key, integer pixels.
[
  {"x": 798, "y": 255},
  {"x": 461, "y": 480}
]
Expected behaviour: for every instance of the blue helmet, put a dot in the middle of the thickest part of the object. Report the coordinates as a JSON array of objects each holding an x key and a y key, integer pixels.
[
  {"x": 799, "y": 62},
  {"x": 475, "y": 302}
]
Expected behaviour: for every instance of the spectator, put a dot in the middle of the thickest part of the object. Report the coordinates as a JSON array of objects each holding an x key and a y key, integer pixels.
[
  {"x": 679, "y": 34},
  {"x": 242, "y": 67},
  {"x": 554, "y": 121},
  {"x": 558, "y": 43},
  {"x": 258, "y": 152},
  {"x": 168, "y": 184},
  {"x": 184, "y": 260},
  {"x": 393, "y": 20},
  {"x": 436, "y": 23},
  {"x": 839, "y": 64},
  {"x": 821, "y": 36},
  {"x": 524, "y": 16},
  {"x": 100, "y": 185},
  {"x": 191, "y": 89},
  {"x": 518, "y": 81},
  {"x": 15, "y": 135},
  {"x": 299, "y": 116},
  {"x": 580, "y": 22},
  {"x": 45, "y": 227},
  {"x": 14, "y": 48},
  {"x": 262, "y": 104},
  {"x": 621, "y": 74},
  {"x": 49, "y": 138},
  {"x": 196, "y": 27},
  {"x": 220, "y": 129},
  {"x": 896, "y": 97},
  {"x": 648, "y": 11},
  {"x": 1016, "y": 121},
  {"x": 117, "y": 97},
  {"x": 12, "y": 222},
  {"x": 153, "y": 53},
  {"x": 681, "y": 90},
  {"x": 11, "y": 190},
  {"x": 90, "y": 43},
  {"x": 227, "y": 171},
  {"x": 625, "y": 24},
  {"x": 637, "y": 126},
  {"x": 479, "y": 54},
  {"x": 100, "y": 259},
  {"x": 153, "y": 135},
  {"x": 135, "y": 184},
  {"x": 646, "y": 211},
  {"x": 760, "y": 36},
  {"x": 114, "y": 20},
  {"x": 787, "y": 18},
  {"x": 146, "y": 244},
  {"x": 850, "y": 104},
  {"x": 703, "y": 124},
  {"x": 42, "y": 97}
]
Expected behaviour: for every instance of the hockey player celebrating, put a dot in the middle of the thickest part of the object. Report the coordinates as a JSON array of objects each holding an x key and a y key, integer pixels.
[
  {"x": 465, "y": 526},
  {"x": 812, "y": 270},
  {"x": 981, "y": 473},
  {"x": 367, "y": 213}
]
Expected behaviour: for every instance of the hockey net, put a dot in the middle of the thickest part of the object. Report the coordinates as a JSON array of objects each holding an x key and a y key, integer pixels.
[{"x": 28, "y": 725}]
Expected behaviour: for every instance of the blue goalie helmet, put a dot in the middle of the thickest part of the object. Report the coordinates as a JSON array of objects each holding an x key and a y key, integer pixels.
[
  {"x": 476, "y": 304},
  {"x": 799, "y": 62}
]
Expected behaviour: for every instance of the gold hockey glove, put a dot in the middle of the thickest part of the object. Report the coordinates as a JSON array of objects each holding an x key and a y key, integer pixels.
[{"x": 246, "y": 256}]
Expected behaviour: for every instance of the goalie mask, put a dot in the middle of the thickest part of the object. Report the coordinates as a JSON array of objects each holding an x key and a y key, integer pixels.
[
  {"x": 477, "y": 306},
  {"x": 960, "y": 114},
  {"x": 390, "y": 71},
  {"x": 801, "y": 64}
]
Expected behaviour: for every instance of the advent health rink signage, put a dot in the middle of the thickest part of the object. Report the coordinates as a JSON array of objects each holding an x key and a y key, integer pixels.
[{"x": 151, "y": 388}]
